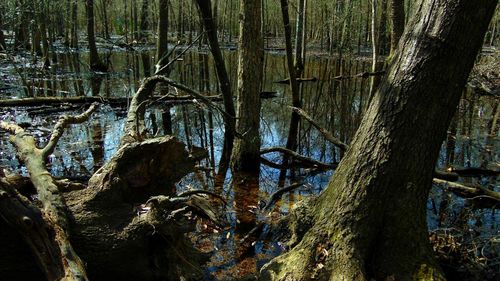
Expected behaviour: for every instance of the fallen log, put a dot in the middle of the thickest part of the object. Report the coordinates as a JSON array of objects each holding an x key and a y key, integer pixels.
[
  {"x": 109, "y": 218},
  {"x": 69, "y": 265}
]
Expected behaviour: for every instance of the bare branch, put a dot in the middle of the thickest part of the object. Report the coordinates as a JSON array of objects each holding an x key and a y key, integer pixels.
[
  {"x": 328, "y": 136},
  {"x": 62, "y": 124}
]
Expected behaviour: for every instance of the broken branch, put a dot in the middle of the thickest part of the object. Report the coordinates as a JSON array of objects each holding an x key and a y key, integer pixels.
[
  {"x": 62, "y": 124},
  {"x": 328, "y": 136}
]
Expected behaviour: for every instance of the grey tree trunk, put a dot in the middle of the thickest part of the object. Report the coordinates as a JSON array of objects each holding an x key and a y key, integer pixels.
[
  {"x": 370, "y": 222},
  {"x": 246, "y": 151}
]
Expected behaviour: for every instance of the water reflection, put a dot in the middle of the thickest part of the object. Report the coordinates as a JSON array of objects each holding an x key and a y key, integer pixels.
[{"x": 472, "y": 139}]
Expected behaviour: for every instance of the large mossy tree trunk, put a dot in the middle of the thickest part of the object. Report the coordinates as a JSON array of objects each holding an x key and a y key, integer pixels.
[
  {"x": 370, "y": 222},
  {"x": 246, "y": 151}
]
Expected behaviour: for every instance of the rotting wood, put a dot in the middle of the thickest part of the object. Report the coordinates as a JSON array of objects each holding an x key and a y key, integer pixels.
[{"x": 54, "y": 207}]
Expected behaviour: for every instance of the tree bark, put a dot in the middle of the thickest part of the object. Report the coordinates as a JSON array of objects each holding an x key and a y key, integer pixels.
[
  {"x": 94, "y": 60},
  {"x": 291, "y": 143},
  {"x": 370, "y": 222},
  {"x": 246, "y": 156},
  {"x": 162, "y": 42},
  {"x": 397, "y": 14},
  {"x": 205, "y": 7}
]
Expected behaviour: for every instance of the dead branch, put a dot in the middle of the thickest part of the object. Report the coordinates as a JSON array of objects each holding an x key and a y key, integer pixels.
[
  {"x": 475, "y": 172},
  {"x": 362, "y": 75},
  {"x": 299, "y": 80},
  {"x": 62, "y": 124},
  {"x": 328, "y": 136},
  {"x": 444, "y": 175},
  {"x": 277, "y": 194},
  {"x": 484, "y": 197},
  {"x": 134, "y": 126},
  {"x": 303, "y": 159}
]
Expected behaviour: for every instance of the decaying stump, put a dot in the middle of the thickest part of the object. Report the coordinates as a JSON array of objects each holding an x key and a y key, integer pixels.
[{"x": 127, "y": 224}]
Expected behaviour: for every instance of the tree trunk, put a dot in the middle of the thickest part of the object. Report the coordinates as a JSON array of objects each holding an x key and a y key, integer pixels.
[
  {"x": 370, "y": 222},
  {"x": 225, "y": 87},
  {"x": 293, "y": 131},
  {"x": 94, "y": 61},
  {"x": 74, "y": 24},
  {"x": 397, "y": 22},
  {"x": 3, "y": 46},
  {"x": 300, "y": 37},
  {"x": 246, "y": 151},
  {"x": 162, "y": 43}
]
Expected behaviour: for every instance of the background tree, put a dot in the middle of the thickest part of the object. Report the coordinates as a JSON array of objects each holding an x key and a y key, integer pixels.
[
  {"x": 205, "y": 8},
  {"x": 246, "y": 151},
  {"x": 370, "y": 222},
  {"x": 397, "y": 15},
  {"x": 94, "y": 60},
  {"x": 162, "y": 41}
]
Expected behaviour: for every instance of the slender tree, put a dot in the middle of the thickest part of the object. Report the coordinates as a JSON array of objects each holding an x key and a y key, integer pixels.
[
  {"x": 294, "y": 85},
  {"x": 246, "y": 151},
  {"x": 370, "y": 222},
  {"x": 94, "y": 60},
  {"x": 205, "y": 7},
  {"x": 162, "y": 42},
  {"x": 3, "y": 46}
]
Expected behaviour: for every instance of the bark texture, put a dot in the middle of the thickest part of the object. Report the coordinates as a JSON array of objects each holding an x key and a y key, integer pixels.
[
  {"x": 162, "y": 41},
  {"x": 397, "y": 22},
  {"x": 370, "y": 222},
  {"x": 246, "y": 156},
  {"x": 205, "y": 7},
  {"x": 94, "y": 60}
]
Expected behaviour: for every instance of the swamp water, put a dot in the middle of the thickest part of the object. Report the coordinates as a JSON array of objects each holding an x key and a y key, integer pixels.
[{"x": 336, "y": 104}]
